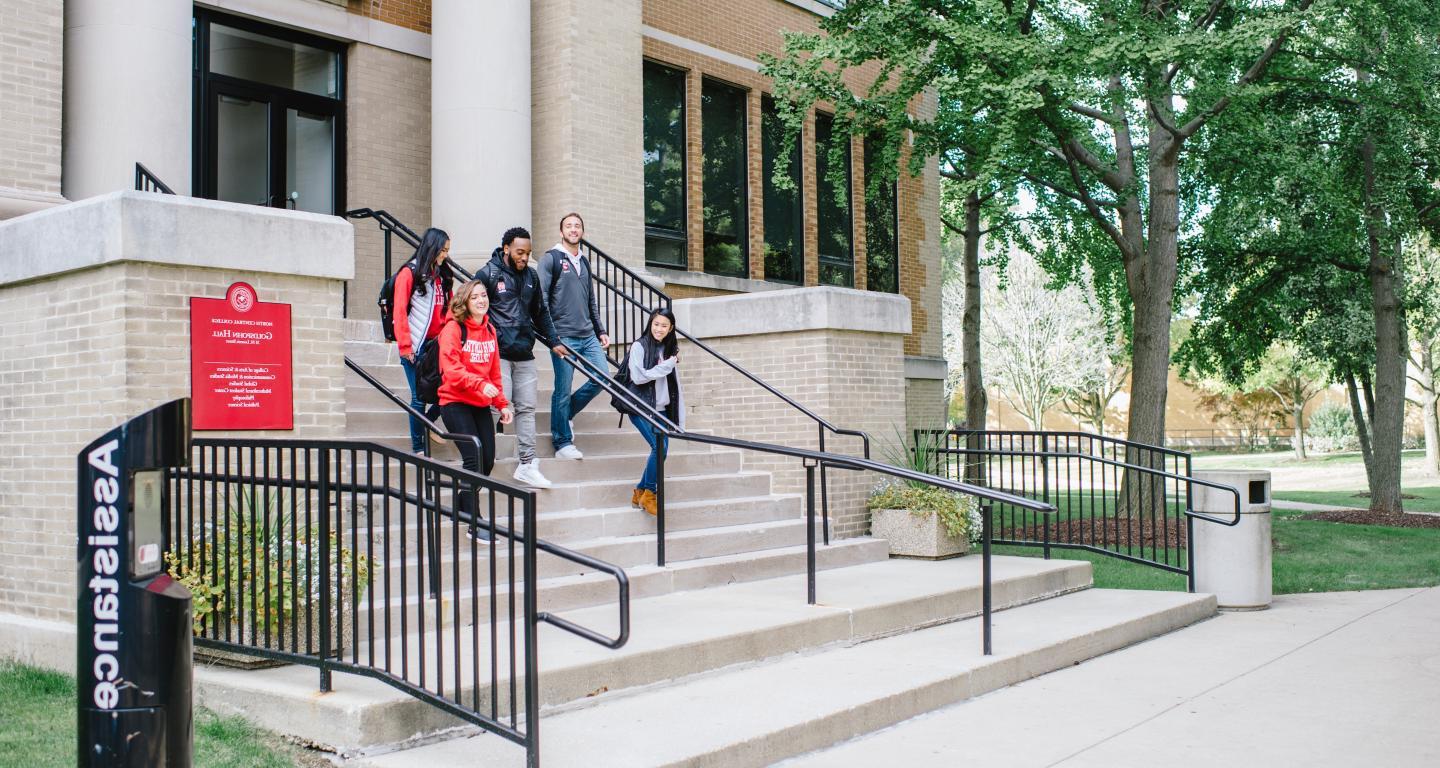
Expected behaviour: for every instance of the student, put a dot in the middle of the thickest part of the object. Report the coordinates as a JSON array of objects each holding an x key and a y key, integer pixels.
[
  {"x": 565, "y": 275},
  {"x": 655, "y": 380},
  {"x": 470, "y": 382},
  {"x": 422, "y": 292},
  {"x": 519, "y": 314}
]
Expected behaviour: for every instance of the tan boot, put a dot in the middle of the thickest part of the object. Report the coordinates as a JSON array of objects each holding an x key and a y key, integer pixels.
[
  {"x": 635, "y": 496},
  {"x": 648, "y": 501}
]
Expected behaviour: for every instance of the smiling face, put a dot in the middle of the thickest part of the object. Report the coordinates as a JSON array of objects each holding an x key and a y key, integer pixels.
[
  {"x": 660, "y": 326},
  {"x": 519, "y": 252},
  {"x": 478, "y": 304},
  {"x": 443, "y": 254},
  {"x": 572, "y": 229}
]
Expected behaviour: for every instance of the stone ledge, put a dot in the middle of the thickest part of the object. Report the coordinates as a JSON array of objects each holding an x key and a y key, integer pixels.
[
  {"x": 174, "y": 230},
  {"x": 712, "y": 282},
  {"x": 18, "y": 202},
  {"x": 794, "y": 309},
  {"x": 921, "y": 367}
]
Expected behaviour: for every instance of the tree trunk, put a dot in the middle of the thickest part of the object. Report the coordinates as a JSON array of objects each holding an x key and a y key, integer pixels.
[
  {"x": 1298, "y": 414},
  {"x": 1362, "y": 429},
  {"x": 976, "y": 403},
  {"x": 1391, "y": 347},
  {"x": 1151, "y": 279},
  {"x": 1432, "y": 435}
]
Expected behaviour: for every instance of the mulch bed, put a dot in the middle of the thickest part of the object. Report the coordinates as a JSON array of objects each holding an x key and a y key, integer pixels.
[
  {"x": 1110, "y": 533},
  {"x": 1368, "y": 517}
]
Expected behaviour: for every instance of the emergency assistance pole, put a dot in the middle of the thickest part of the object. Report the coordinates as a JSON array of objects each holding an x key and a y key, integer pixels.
[{"x": 133, "y": 667}]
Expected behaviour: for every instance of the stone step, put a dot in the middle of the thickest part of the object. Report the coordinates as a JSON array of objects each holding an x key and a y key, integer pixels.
[
  {"x": 676, "y": 636},
  {"x": 390, "y": 419},
  {"x": 612, "y": 442},
  {"x": 564, "y": 593}
]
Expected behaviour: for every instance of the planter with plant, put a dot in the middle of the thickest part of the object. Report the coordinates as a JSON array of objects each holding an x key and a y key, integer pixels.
[
  {"x": 258, "y": 575},
  {"x": 917, "y": 519}
]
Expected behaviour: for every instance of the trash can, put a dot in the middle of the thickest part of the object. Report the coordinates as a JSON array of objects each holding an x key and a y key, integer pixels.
[{"x": 1233, "y": 562}]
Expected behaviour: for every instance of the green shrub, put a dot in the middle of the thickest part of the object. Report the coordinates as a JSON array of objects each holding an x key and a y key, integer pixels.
[
  {"x": 1331, "y": 429},
  {"x": 959, "y": 514}
]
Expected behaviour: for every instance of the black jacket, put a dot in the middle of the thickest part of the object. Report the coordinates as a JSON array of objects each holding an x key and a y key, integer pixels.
[{"x": 517, "y": 308}]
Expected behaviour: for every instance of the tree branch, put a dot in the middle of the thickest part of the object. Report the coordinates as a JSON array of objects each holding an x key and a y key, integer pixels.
[{"x": 1090, "y": 112}]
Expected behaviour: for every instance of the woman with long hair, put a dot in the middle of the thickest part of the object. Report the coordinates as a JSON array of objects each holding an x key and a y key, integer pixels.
[
  {"x": 422, "y": 293},
  {"x": 654, "y": 379},
  {"x": 470, "y": 383}
]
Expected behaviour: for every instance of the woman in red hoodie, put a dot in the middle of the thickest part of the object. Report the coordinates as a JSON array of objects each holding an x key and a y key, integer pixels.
[{"x": 470, "y": 380}]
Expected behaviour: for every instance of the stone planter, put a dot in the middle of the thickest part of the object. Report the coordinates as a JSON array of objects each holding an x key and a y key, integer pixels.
[
  {"x": 915, "y": 535},
  {"x": 280, "y": 639}
]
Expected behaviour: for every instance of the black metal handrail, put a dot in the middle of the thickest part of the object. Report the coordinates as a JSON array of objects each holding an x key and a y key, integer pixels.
[
  {"x": 1122, "y": 499},
  {"x": 300, "y": 551},
  {"x": 145, "y": 181}
]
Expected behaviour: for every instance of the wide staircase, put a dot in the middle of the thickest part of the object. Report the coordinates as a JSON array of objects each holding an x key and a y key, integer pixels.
[{"x": 730, "y": 650}]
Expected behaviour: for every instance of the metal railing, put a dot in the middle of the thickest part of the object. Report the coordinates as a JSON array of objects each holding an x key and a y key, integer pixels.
[
  {"x": 319, "y": 553},
  {"x": 145, "y": 181},
  {"x": 1121, "y": 499},
  {"x": 1263, "y": 438}
]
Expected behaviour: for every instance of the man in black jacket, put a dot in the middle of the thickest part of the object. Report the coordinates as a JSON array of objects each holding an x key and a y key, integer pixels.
[{"x": 519, "y": 314}]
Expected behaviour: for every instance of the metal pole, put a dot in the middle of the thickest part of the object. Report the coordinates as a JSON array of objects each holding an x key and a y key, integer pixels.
[
  {"x": 660, "y": 449},
  {"x": 1045, "y": 494},
  {"x": 532, "y": 640},
  {"x": 824, "y": 491},
  {"x": 985, "y": 573},
  {"x": 810, "y": 530},
  {"x": 324, "y": 546}
]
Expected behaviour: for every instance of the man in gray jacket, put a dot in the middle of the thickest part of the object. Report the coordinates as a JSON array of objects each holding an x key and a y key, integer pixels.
[{"x": 565, "y": 277}]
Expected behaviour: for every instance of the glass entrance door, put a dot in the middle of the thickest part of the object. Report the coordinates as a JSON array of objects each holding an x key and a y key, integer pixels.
[{"x": 269, "y": 118}]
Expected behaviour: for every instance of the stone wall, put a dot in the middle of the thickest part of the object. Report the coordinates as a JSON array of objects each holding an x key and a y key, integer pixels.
[
  {"x": 31, "y": 76},
  {"x": 387, "y": 159},
  {"x": 837, "y": 351},
  {"x": 94, "y": 307}
]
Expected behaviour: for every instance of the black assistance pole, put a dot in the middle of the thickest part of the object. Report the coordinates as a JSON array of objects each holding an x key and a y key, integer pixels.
[{"x": 133, "y": 667}]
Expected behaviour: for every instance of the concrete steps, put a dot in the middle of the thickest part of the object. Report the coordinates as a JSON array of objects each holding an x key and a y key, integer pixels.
[{"x": 673, "y": 637}]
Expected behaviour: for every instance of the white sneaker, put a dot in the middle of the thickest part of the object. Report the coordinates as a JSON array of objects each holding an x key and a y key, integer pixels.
[
  {"x": 529, "y": 474},
  {"x": 569, "y": 452}
]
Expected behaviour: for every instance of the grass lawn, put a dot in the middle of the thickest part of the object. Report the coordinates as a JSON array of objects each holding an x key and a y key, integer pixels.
[
  {"x": 37, "y": 729},
  {"x": 1426, "y": 499},
  {"x": 1309, "y": 556}
]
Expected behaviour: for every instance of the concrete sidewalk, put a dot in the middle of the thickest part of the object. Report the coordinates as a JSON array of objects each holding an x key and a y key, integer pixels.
[{"x": 1338, "y": 679}]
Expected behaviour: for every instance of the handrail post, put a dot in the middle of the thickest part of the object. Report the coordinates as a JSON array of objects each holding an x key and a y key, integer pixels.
[
  {"x": 1045, "y": 494},
  {"x": 985, "y": 605},
  {"x": 824, "y": 491},
  {"x": 324, "y": 570},
  {"x": 660, "y": 450},
  {"x": 532, "y": 638},
  {"x": 810, "y": 530}
]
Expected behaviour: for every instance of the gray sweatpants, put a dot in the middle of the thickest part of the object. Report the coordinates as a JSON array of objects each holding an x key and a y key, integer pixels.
[{"x": 518, "y": 378}]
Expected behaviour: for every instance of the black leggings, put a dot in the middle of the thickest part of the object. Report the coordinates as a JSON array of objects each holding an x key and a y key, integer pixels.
[{"x": 466, "y": 419}]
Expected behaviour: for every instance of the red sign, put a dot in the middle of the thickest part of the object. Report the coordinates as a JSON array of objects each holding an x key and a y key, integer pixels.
[{"x": 240, "y": 363}]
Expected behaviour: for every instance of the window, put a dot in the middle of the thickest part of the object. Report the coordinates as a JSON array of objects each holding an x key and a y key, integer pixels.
[
  {"x": 837, "y": 257},
  {"x": 882, "y": 257},
  {"x": 723, "y": 149},
  {"x": 784, "y": 208},
  {"x": 664, "y": 158}
]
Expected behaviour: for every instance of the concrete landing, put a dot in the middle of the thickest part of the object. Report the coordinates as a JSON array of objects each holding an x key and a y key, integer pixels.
[{"x": 1338, "y": 679}]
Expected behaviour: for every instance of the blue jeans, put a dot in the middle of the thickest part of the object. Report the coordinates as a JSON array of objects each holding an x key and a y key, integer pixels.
[
  {"x": 647, "y": 480},
  {"x": 563, "y": 405},
  {"x": 417, "y": 427}
]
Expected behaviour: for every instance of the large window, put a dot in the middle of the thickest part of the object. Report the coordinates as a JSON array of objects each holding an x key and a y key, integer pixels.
[
  {"x": 269, "y": 115},
  {"x": 664, "y": 129},
  {"x": 784, "y": 208},
  {"x": 837, "y": 256},
  {"x": 727, "y": 231},
  {"x": 882, "y": 256}
]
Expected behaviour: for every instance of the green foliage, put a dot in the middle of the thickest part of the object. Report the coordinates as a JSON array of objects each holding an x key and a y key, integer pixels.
[
  {"x": 258, "y": 556},
  {"x": 922, "y": 453},
  {"x": 1332, "y": 429},
  {"x": 955, "y": 511}
]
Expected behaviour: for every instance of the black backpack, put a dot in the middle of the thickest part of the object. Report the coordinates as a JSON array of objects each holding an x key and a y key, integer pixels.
[
  {"x": 427, "y": 368},
  {"x": 386, "y": 301}
]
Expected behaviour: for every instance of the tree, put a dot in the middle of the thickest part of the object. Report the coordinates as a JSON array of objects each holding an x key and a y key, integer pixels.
[
  {"x": 1091, "y": 103},
  {"x": 1040, "y": 339},
  {"x": 1294, "y": 380},
  {"x": 1423, "y": 273},
  {"x": 1090, "y": 402}
]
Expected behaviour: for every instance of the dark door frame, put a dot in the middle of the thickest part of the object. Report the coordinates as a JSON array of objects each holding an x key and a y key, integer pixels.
[{"x": 209, "y": 86}]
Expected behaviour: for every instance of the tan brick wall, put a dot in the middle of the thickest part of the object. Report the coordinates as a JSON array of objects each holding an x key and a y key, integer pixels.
[
  {"x": 411, "y": 14},
  {"x": 924, "y": 404},
  {"x": 585, "y": 122},
  {"x": 387, "y": 165},
  {"x": 747, "y": 28},
  {"x": 90, "y": 349},
  {"x": 31, "y": 56},
  {"x": 853, "y": 379}
]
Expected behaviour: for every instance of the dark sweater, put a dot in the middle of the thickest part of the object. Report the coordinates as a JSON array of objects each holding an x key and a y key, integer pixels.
[
  {"x": 517, "y": 308},
  {"x": 572, "y": 301}
]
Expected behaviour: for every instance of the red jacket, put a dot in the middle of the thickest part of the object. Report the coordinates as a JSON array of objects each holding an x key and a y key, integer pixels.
[
  {"x": 404, "y": 289},
  {"x": 464, "y": 372}
]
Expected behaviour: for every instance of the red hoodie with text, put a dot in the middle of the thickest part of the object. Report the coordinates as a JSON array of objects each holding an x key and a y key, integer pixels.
[{"x": 465, "y": 371}]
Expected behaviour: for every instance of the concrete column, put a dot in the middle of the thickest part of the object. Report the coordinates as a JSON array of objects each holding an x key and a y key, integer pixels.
[
  {"x": 127, "y": 94},
  {"x": 1234, "y": 562},
  {"x": 480, "y": 123}
]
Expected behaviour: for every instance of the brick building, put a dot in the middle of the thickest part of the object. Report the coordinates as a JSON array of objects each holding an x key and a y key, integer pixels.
[{"x": 649, "y": 116}]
